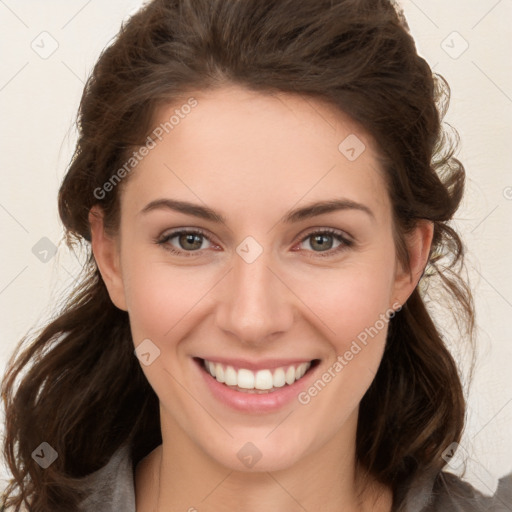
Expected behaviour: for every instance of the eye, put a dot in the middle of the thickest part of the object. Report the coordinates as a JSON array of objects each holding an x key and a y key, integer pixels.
[
  {"x": 189, "y": 241},
  {"x": 324, "y": 240}
]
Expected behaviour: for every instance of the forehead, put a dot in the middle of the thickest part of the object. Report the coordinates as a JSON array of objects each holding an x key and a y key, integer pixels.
[{"x": 257, "y": 149}]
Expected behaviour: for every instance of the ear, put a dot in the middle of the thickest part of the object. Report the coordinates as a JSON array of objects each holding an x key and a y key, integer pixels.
[
  {"x": 418, "y": 246},
  {"x": 106, "y": 254}
]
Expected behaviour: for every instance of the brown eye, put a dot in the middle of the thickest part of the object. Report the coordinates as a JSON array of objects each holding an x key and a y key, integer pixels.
[
  {"x": 188, "y": 243},
  {"x": 321, "y": 242}
]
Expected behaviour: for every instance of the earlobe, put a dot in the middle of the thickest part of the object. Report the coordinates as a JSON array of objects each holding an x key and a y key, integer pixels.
[
  {"x": 106, "y": 254},
  {"x": 418, "y": 246}
]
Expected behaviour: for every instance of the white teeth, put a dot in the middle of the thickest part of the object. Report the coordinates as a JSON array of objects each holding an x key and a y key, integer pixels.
[
  {"x": 263, "y": 380},
  {"x": 230, "y": 376},
  {"x": 245, "y": 379},
  {"x": 219, "y": 373},
  {"x": 291, "y": 375},
  {"x": 260, "y": 380},
  {"x": 279, "y": 378},
  {"x": 302, "y": 370}
]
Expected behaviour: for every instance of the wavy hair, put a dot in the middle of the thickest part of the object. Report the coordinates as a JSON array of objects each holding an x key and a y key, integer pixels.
[{"x": 82, "y": 390}]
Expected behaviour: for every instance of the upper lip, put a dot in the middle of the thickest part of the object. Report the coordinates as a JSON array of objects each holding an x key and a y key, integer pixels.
[{"x": 262, "y": 364}]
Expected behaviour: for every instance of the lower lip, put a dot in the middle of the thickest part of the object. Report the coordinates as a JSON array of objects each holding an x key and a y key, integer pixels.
[{"x": 254, "y": 402}]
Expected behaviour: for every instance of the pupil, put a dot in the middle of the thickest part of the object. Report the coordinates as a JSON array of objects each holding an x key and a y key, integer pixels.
[
  {"x": 323, "y": 245},
  {"x": 190, "y": 238}
]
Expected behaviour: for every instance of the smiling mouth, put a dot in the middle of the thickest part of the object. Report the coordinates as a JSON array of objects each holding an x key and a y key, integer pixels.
[{"x": 262, "y": 381}]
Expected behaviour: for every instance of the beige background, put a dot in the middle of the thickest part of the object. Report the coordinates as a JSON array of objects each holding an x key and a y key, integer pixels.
[{"x": 467, "y": 41}]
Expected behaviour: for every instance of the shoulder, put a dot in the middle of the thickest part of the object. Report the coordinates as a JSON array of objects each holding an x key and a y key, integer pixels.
[
  {"x": 449, "y": 492},
  {"x": 109, "y": 489}
]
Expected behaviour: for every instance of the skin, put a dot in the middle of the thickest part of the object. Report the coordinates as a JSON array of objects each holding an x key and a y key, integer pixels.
[{"x": 252, "y": 158}]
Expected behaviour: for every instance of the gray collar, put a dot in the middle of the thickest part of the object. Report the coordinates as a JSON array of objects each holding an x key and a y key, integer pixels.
[{"x": 112, "y": 488}]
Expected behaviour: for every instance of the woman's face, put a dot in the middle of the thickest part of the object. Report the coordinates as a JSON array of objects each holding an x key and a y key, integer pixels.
[{"x": 266, "y": 288}]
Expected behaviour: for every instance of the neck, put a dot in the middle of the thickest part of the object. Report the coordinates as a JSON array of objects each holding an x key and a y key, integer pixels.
[{"x": 180, "y": 476}]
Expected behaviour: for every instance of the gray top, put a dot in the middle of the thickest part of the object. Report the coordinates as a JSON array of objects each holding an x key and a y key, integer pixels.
[{"x": 113, "y": 490}]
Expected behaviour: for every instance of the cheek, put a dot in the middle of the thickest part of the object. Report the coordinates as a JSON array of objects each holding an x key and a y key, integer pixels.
[
  {"x": 158, "y": 297},
  {"x": 353, "y": 310},
  {"x": 342, "y": 300},
  {"x": 150, "y": 295},
  {"x": 347, "y": 300}
]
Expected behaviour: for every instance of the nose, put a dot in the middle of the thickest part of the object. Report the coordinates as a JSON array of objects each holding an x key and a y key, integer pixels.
[{"x": 256, "y": 303}]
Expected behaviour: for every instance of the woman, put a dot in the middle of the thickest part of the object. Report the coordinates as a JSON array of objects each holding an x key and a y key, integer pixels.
[{"x": 261, "y": 187}]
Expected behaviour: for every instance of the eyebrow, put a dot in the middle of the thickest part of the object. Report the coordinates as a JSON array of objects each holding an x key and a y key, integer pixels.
[{"x": 297, "y": 215}]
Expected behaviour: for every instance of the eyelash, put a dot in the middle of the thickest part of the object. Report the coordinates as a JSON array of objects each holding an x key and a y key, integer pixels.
[{"x": 345, "y": 242}]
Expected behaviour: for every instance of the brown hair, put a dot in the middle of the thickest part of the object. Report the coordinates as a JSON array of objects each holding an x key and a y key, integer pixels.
[{"x": 84, "y": 391}]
